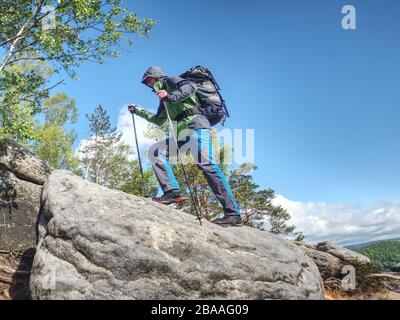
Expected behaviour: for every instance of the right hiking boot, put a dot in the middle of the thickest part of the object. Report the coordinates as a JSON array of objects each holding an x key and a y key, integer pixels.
[
  {"x": 226, "y": 221},
  {"x": 170, "y": 197}
]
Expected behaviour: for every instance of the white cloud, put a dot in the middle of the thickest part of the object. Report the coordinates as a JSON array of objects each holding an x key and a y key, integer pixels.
[
  {"x": 345, "y": 223},
  {"x": 82, "y": 145},
  {"x": 125, "y": 126}
]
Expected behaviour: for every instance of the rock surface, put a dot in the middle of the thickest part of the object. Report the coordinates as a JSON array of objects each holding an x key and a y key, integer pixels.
[
  {"x": 19, "y": 208},
  {"x": 387, "y": 281},
  {"x": 328, "y": 265},
  {"x": 395, "y": 268},
  {"x": 21, "y": 177},
  {"x": 347, "y": 256},
  {"x": 24, "y": 164},
  {"x": 331, "y": 258},
  {"x": 104, "y": 244}
]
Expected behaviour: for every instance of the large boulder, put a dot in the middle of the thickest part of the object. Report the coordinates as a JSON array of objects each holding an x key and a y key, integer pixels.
[
  {"x": 22, "y": 175},
  {"x": 331, "y": 258},
  {"x": 23, "y": 163},
  {"x": 347, "y": 256},
  {"x": 328, "y": 265},
  {"x": 19, "y": 208},
  {"x": 98, "y": 243}
]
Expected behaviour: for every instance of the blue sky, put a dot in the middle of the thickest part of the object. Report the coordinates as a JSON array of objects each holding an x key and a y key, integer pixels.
[{"x": 324, "y": 102}]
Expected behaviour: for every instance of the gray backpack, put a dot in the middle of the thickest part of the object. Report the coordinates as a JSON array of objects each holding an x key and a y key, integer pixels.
[{"x": 212, "y": 105}]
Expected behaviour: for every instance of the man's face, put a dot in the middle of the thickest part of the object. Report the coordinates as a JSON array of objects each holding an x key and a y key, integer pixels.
[{"x": 150, "y": 81}]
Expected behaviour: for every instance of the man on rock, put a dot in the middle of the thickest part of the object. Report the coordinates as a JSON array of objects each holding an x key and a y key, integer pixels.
[{"x": 178, "y": 96}]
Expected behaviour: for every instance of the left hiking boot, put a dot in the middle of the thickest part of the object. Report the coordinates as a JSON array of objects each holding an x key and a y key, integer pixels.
[
  {"x": 226, "y": 221},
  {"x": 170, "y": 197}
]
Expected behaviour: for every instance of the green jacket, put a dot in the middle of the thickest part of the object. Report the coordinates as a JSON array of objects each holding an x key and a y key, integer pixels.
[{"x": 181, "y": 97}]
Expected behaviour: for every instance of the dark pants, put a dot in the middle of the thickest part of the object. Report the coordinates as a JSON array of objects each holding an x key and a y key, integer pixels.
[{"x": 200, "y": 145}]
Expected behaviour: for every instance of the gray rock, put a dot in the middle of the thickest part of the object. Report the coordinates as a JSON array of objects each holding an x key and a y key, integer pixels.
[
  {"x": 24, "y": 164},
  {"x": 105, "y": 244},
  {"x": 19, "y": 208},
  {"x": 328, "y": 265},
  {"x": 395, "y": 268},
  {"x": 345, "y": 255},
  {"x": 386, "y": 281}
]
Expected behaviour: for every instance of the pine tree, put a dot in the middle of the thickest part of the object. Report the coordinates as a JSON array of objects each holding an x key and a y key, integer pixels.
[
  {"x": 103, "y": 137},
  {"x": 109, "y": 162},
  {"x": 122, "y": 173},
  {"x": 256, "y": 204}
]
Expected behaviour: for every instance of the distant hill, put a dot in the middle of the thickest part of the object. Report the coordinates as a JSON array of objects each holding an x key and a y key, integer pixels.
[
  {"x": 358, "y": 246},
  {"x": 383, "y": 254}
]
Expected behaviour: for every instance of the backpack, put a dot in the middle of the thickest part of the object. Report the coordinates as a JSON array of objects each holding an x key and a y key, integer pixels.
[{"x": 212, "y": 105}]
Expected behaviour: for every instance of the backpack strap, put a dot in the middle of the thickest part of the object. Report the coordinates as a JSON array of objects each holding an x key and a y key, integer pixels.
[{"x": 188, "y": 113}]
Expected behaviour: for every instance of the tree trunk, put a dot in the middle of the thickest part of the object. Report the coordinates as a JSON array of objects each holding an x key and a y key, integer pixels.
[
  {"x": 17, "y": 37},
  {"x": 10, "y": 51}
]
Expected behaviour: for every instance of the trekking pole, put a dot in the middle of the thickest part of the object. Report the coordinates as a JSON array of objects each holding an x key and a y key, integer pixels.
[
  {"x": 183, "y": 167},
  {"x": 140, "y": 161}
]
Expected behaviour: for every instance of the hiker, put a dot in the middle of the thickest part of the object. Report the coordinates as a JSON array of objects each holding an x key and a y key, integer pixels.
[{"x": 179, "y": 97}]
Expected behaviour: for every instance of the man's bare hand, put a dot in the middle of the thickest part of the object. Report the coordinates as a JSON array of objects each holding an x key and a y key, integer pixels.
[{"x": 162, "y": 94}]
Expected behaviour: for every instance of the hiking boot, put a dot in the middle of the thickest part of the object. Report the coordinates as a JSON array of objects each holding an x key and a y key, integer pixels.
[
  {"x": 172, "y": 196},
  {"x": 229, "y": 221}
]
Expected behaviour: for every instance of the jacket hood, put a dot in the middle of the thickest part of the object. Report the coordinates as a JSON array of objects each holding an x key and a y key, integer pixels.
[{"x": 154, "y": 72}]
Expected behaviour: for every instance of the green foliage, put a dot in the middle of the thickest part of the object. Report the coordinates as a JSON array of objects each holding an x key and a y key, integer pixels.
[
  {"x": 108, "y": 161},
  {"x": 20, "y": 101},
  {"x": 100, "y": 146},
  {"x": 67, "y": 32},
  {"x": 99, "y": 122},
  {"x": 256, "y": 204},
  {"x": 60, "y": 110},
  {"x": 62, "y": 33},
  {"x": 123, "y": 174},
  {"x": 131, "y": 181},
  {"x": 54, "y": 143},
  {"x": 253, "y": 203},
  {"x": 383, "y": 254},
  {"x": 17, "y": 123}
]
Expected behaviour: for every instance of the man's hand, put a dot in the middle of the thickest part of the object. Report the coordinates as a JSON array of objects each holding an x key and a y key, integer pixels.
[
  {"x": 132, "y": 108},
  {"x": 162, "y": 94}
]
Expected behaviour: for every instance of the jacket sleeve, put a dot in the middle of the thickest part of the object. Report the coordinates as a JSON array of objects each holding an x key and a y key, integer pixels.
[
  {"x": 157, "y": 119},
  {"x": 184, "y": 89}
]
